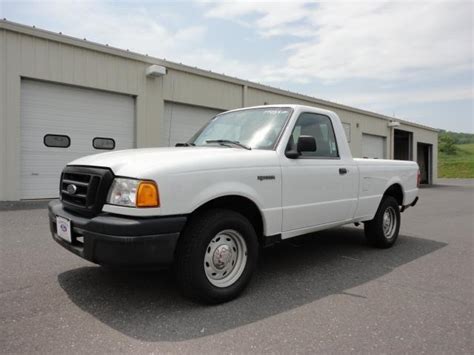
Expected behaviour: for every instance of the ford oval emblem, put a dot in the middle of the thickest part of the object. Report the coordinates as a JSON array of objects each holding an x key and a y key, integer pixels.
[{"x": 71, "y": 189}]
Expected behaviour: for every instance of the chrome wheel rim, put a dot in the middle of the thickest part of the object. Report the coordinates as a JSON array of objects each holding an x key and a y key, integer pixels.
[
  {"x": 389, "y": 222},
  {"x": 225, "y": 258}
]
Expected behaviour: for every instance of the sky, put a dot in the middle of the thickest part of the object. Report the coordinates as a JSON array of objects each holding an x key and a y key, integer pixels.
[{"x": 411, "y": 60}]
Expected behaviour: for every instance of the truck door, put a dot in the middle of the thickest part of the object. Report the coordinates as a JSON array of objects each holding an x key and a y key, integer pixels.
[{"x": 319, "y": 187}]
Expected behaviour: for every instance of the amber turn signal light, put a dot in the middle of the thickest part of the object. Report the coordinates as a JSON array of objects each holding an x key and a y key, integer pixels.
[{"x": 147, "y": 194}]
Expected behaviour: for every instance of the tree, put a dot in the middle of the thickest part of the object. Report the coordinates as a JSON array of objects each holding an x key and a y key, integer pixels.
[{"x": 446, "y": 144}]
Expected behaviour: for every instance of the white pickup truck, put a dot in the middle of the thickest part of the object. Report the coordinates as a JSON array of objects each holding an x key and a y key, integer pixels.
[{"x": 249, "y": 178}]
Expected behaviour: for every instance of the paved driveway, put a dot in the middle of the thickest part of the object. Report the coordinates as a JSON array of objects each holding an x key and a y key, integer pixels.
[{"x": 330, "y": 293}]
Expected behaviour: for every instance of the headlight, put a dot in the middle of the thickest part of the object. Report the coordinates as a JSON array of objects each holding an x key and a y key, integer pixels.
[{"x": 133, "y": 193}]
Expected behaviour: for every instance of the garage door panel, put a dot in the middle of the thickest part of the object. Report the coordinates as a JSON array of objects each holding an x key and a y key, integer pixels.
[
  {"x": 74, "y": 121},
  {"x": 373, "y": 146},
  {"x": 80, "y": 114},
  {"x": 183, "y": 121}
]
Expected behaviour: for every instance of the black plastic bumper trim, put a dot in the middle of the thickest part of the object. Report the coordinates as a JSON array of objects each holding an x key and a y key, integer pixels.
[
  {"x": 415, "y": 201},
  {"x": 115, "y": 240}
]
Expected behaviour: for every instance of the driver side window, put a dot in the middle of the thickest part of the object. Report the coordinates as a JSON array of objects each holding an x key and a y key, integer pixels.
[{"x": 319, "y": 127}]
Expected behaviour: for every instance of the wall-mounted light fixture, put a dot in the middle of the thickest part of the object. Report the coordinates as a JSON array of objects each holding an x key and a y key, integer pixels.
[
  {"x": 155, "y": 71},
  {"x": 393, "y": 124}
]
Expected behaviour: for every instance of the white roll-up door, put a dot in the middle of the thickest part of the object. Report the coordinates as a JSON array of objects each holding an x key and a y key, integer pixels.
[
  {"x": 182, "y": 121},
  {"x": 59, "y": 124},
  {"x": 373, "y": 146}
]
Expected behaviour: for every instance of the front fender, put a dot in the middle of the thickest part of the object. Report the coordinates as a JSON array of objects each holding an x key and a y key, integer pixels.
[
  {"x": 184, "y": 193},
  {"x": 233, "y": 188}
]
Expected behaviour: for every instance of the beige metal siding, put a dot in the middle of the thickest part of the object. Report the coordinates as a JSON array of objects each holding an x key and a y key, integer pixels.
[
  {"x": 197, "y": 90},
  {"x": 3, "y": 115}
]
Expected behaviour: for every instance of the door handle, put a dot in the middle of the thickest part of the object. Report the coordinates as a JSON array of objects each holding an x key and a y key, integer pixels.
[{"x": 342, "y": 171}]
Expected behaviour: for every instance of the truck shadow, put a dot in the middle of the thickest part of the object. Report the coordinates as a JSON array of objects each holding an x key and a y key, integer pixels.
[{"x": 147, "y": 305}]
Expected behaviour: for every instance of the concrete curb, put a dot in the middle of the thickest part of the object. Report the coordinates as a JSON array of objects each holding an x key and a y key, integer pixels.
[{"x": 23, "y": 205}]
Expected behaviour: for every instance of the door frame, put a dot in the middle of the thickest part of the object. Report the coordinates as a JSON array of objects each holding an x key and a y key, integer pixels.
[{"x": 429, "y": 158}]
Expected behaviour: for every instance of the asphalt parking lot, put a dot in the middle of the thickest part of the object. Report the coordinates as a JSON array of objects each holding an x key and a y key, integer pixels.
[{"x": 329, "y": 294}]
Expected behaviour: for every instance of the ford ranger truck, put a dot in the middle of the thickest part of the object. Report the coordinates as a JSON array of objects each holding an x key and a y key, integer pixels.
[{"x": 249, "y": 178}]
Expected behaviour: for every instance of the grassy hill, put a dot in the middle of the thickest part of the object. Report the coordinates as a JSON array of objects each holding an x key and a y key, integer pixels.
[{"x": 460, "y": 164}]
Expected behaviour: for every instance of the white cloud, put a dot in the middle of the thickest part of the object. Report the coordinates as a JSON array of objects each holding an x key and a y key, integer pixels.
[
  {"x": 119, "y": 25},
  {"x": 368, "y": 40},
  {"x": 218, "y": 62},
  {"x": 273, "y": 17},
  {"x": 382, "y": 100}
]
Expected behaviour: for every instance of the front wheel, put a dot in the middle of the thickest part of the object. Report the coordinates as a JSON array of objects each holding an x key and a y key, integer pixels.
[
  {"x": 382, "y": 231},
  {"x": 216, "y": 256}
]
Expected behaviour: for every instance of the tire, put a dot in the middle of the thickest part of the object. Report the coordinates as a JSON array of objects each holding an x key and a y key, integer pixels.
[
  {"x": 376, "y": 233},
  {"x": 216, "y": 256}
]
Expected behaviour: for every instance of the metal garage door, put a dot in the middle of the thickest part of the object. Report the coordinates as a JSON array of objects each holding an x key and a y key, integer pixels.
[
  {"x": 373, "y": 146},
  {"x": 182, "y": 121},
  {"x": 59, "y": 124}
]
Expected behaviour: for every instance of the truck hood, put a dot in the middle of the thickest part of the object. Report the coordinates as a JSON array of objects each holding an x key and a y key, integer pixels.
[{"x": 147, "y": 162}]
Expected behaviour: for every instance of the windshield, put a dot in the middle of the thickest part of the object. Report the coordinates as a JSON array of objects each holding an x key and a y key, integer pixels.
[{"x": 257, "y": 128}]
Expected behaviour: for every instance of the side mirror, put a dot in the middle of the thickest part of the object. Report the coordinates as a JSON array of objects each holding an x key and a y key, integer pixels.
[{"x": 305, "y": 144}]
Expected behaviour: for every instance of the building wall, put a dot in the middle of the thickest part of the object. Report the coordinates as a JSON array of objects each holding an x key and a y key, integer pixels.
[
  {"x": 41, "y": 55},
  {"x": 23, "y": 56},
  {"x": 428, "y": 137},
  {"x": 3, "y": 117}
]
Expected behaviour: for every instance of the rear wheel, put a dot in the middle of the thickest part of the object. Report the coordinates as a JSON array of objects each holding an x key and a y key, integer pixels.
[
  {"x": 382, "y": 231},
  {"x": 216, "y": 256}
]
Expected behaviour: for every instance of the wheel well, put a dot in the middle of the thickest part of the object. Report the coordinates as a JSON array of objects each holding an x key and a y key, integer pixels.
[
  {"x": 239, "y": 204},
  {"x": 395, "y": 191}
]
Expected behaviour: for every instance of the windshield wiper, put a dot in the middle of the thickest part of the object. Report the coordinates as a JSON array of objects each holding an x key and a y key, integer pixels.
[
  {"x": 228, "y": 141},
  {"x": 184, "y": 144}
]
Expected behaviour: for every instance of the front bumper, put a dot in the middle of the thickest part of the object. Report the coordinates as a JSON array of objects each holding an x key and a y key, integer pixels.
[{"x": 116, "y": 240}]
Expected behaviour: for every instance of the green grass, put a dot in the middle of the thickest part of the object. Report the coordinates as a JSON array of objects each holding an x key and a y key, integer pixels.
[{"x": 459, "y": 165}]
